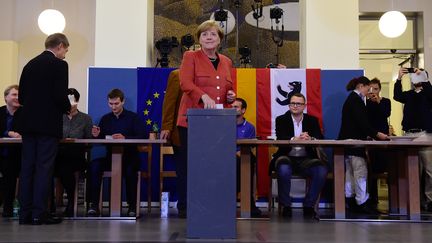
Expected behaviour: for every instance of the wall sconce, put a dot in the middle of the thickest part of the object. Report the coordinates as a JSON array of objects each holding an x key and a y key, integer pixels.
[
  {"x": 392, "y": 24},
  {"x": 51, "y": 21}
]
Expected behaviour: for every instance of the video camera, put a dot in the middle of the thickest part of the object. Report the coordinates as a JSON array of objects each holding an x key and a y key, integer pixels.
[{"x": 166, "y": 44}]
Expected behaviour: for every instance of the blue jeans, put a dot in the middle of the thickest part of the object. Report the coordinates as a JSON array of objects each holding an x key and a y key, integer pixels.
[{"x": 285, "y": 168}]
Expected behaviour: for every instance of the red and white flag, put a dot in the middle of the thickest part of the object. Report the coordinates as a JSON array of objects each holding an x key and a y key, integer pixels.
[{"x": 267, "y": 92}]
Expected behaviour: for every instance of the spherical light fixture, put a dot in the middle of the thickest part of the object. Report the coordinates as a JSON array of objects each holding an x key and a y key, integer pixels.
[
  {"x": 51, "y": 21},
  {"x": 392, "y": 24}
]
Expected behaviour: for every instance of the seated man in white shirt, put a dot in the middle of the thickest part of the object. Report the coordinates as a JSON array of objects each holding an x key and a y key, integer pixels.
[{"x": 296, "y": 125}]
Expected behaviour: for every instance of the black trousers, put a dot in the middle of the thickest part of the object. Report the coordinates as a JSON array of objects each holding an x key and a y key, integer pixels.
[
  {"x": 181, "y": 169},
  {"x": 69, "y": 160},
  {"x": 38, "y": 156},
  {"x": 130, "y": 167},
  {"x": 11, "y": 166}
]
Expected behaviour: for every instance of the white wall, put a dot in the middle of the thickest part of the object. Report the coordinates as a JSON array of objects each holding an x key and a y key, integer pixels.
[
  {"x": 123, "y": 38},
  {"x": 8, "y": 64},
  {"x": 329, "y": 34}
]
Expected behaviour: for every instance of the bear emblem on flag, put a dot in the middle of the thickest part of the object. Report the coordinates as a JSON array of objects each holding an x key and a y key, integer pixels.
[{"x": 295, "y": 86}]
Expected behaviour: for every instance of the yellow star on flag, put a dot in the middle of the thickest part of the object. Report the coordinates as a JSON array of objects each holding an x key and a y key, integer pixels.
[
  {"x": 149, "y": 102},
  {"x": 156, "y": 95},
  {"x": 149, "y": 122},
  {"x": 146, "y": 112}
]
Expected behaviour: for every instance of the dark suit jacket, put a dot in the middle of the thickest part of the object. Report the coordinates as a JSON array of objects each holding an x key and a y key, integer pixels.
[
  {"x": 13, "y": 151},
  {"x": 43, "y": 95},
  {"x": 285, "y": 131},
  {"x": 171, "y": 105},
  {"x": 355, "y": 123}
]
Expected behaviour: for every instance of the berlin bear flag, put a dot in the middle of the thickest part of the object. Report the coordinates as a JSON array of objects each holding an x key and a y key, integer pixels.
[{"x": 267, "y": 92}]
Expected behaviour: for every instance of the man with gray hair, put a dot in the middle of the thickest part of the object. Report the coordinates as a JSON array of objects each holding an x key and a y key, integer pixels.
[{"x": 44, "y": 99}]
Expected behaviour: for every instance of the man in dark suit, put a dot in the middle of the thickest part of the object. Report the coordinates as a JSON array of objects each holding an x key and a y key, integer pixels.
[
  {"x": 43, "y": 91},
  {"x": 10, "y": 156},
  {"x": 296, "y": 125}
]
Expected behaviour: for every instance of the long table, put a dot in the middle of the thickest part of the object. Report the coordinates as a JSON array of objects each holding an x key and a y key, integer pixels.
[
  {"x": 408, "y": 199},
  {"x": 116, "y": 165}
]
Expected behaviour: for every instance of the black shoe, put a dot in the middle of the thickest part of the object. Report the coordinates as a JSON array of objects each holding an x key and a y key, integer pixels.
[
  {"x": 310, "y": 213},
  {"x": 132, "y": 211},
  {"x": 92, "y": 210},
  {"x": 68, "y": 212},
  {"x": 287, "y": 212},
  {"x": 367, "y": 208},
  {"x": 26, "y": 220},
  {"x": 351, "y": 203},
  {"x": 255, "y": 212},
  {"x": 182, "y": 213},
  {"x": 47, "y": 220}
]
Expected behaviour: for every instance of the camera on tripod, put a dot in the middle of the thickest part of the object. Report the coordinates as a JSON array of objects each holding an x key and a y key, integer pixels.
[
  {"x": 245, "y": 53},
  {"x": 164, "y": 46}
]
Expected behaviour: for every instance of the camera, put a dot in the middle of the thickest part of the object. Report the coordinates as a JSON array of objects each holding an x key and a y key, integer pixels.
[
  {"x": 245, "y": 53},
  {"x": 166, "y": 44},
  {"x": 411, "y": 70},
  {"x": 164, "y": 47},
  {"x": 187, "y": 41},
  {"x": 271, "y": 65},
  {"x": 276, "y": 13}
]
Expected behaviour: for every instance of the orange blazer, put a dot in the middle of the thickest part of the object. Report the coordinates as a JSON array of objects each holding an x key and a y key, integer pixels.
[{"x": 198, "y": 77}]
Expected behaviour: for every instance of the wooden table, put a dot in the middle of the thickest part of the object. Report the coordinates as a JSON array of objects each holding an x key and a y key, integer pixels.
[
  {"x": 408, "y": 201},
  {"x": 116, "y": 165}
]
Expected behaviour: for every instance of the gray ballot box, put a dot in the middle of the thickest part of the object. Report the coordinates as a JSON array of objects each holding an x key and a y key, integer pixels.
[{"x": 211, "y": 178}]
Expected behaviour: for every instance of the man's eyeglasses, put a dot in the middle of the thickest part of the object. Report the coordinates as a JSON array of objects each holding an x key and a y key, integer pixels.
[{"x": 295, "y": 104}]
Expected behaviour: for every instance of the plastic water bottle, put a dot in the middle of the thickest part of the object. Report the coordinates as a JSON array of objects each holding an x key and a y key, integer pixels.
[
  {"x": 16, "y": 208},
  {"x": 164, "y": 204}
]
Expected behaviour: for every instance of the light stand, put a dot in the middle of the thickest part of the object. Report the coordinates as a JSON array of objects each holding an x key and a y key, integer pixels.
[
  {"x": 276, "y": 14},
  {"x": 257, "y": 13},
  {"x": 222, "y": 16},
  {"x": 237, "y": 5}
]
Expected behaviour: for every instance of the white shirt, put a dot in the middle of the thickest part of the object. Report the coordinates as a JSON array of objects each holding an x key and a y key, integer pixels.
[{"x": 297, "y": 151}]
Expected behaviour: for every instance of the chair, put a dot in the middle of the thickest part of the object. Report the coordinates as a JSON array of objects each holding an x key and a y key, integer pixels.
[
  {"x": 165, "y": 150},
  {"x": 273, "y": 176},
  {"x": 147, "y": 175}
]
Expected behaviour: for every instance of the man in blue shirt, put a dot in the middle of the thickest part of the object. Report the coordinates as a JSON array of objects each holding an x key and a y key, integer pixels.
[
  {"x": 245, "y": 130},
  {"x": 118, "y": 124}
]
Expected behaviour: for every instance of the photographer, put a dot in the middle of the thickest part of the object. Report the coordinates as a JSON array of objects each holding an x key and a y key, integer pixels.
[{"x": 417, "y": 118}]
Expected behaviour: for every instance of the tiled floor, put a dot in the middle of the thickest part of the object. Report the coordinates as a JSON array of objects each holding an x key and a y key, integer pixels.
[{"x": 151, "y": 228}]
